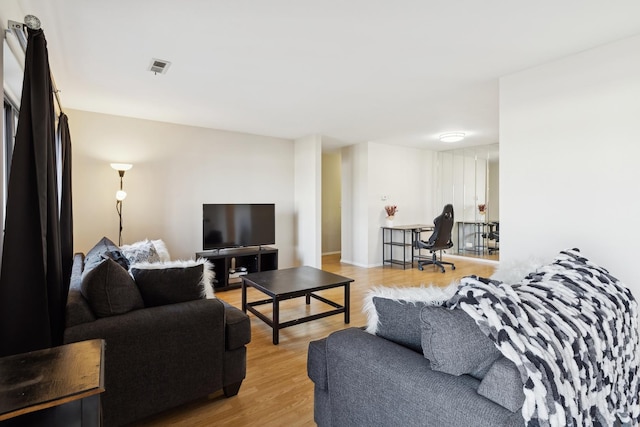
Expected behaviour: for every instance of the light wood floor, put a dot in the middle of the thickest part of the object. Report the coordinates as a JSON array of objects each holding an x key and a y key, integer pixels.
[{"x": 277, "y": 391}]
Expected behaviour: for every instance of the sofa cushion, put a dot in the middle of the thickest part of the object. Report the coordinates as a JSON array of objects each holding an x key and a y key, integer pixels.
[
  {"x": 110, "y": 290},
  {"x": 142, "y": 251},
  {"x": 105, "y": 248},
  {"x": 503, "y": 385},
  {"x": 172, "y": 282},
  {"x": 399, "y": 321},
  {"x": 393, "y": 313},
  {"x": 454, "y": 344}
]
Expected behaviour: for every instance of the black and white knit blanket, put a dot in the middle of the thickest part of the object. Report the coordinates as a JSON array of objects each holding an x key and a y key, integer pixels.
[{"x": 572, "y": 330}]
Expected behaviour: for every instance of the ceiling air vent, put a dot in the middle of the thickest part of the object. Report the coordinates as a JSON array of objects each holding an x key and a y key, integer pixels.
[{"x": 159, "y": 66}]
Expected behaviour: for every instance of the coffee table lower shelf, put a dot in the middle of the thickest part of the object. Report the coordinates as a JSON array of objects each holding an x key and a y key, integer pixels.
[{"x": 282, "y": 285}]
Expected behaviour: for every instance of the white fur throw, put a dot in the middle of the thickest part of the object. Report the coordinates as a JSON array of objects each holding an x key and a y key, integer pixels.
[
  {"x": 207, "y": 275},
  {"x": 161, "y": 248},
  {"x": 432, "y": 294},
  {"x": 512, "y": 272}
]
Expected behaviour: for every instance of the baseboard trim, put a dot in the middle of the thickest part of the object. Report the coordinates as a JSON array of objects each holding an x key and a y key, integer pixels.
[{"x": 472, "y": 259}]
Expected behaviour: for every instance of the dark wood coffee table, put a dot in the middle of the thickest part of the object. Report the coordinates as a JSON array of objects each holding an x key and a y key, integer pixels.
[{"x": 290, "y": 283}]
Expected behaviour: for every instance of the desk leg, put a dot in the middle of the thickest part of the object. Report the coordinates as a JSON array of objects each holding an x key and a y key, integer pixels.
[
  {"x": 276, "y": 320},
  {"x": 346, "y": 303}
]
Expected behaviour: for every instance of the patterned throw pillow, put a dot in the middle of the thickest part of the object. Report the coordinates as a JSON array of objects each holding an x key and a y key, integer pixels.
[{"x": 142, "y": 251}]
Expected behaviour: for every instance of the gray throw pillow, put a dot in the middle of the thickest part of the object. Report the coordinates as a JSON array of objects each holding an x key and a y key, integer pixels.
[
  {"x": 170, "y": 285},
  {"x": 399, "y": 321},
  {"x": 454, "y": 344},
  {"x": 105, "y": 248},
  {"x": 110, "y": 290},
  {"x": 503, "y": 385}
]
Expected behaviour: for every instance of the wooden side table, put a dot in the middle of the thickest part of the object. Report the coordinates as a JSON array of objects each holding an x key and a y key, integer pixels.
[{"x": 57, "y": 386}]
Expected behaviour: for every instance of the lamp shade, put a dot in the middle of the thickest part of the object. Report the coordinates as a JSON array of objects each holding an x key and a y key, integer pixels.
[
  {"x": 121, "y": 166},
  {"x": 121, "y": 195}
]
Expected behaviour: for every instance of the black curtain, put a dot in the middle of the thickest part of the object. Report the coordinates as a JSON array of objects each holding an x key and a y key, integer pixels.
[
  {"x": 66, "y": 211},
  {"x": 31, "y": 286}
]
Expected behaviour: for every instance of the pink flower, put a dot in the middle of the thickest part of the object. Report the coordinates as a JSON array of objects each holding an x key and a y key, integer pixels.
[{"x": 391, "y": 210}]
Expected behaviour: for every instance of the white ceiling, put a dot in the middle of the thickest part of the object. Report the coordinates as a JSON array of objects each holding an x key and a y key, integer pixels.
[{"x": 398, "y": 72}]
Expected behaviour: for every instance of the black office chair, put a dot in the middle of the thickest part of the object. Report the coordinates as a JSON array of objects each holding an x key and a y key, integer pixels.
[
  {"x": 494, "y": 234},
  {"x": 439, "y": 241}
]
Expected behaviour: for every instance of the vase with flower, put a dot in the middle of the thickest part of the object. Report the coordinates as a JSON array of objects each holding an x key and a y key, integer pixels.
[
  {"x": 391, "y": 212},
  {"x": 482, "y": 209}
]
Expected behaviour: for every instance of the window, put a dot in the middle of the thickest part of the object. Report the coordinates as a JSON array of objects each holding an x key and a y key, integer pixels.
[{"x": 10, "y": 119}]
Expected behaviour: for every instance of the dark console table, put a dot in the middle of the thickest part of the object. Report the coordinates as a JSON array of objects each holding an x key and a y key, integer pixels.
[
  {"x": 471, "y": 236},
  {"x": 401, "y": 238},
  {"x": 231, "y": 264},
  {"x": 54, "y": 387}
]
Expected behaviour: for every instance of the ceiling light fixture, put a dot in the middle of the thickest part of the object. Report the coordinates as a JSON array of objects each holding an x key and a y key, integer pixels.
[{"x": 452, "y": 137}]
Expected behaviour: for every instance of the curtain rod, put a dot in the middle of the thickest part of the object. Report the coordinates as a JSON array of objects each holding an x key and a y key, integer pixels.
[{"x": 17, "y": 29}]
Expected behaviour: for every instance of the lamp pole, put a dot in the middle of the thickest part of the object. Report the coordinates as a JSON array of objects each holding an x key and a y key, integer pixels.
[{"x": 120, "y": 194}]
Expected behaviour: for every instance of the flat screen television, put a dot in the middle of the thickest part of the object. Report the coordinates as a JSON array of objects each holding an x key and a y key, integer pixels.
[{"x": 237, "y": 225}]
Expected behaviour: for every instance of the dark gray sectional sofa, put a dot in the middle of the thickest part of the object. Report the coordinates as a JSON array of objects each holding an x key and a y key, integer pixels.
[{"x": 162, "y": 356}]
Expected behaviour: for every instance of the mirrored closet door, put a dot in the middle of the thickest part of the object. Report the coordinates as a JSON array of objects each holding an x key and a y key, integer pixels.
[{"x": 468, "y": 178}]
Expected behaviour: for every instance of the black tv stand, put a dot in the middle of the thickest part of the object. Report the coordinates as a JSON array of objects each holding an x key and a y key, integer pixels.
[{"x": 231, "y": 264}]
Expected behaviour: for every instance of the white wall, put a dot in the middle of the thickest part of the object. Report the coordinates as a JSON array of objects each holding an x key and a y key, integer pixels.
[
  {"x": 176, "y": 169},
  {"x": 493, "y": 204},
  {"x": 405, "y": 176},
  {"x": 347, "y": 196},
  {"x": 569, "y": 154},
  {"x": 331, "y": 204},
  {"x": 402, "y": 175},
  {"x": 355, "y": 190},
  {"x": 308, "y": 200}
]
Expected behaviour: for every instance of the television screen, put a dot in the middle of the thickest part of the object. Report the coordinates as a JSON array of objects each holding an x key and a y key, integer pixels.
[{"x": 235, "y": 225}]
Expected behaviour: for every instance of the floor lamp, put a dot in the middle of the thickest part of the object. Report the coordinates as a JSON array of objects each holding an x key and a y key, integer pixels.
[{"x": 120, "y": 194}]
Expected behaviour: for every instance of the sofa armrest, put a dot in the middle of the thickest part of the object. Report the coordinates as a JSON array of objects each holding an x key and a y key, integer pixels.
[
  {"x": 317, "y": 363},
  {"x": 77, "y": 309},
  {"x": 237, "y": 327}
]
